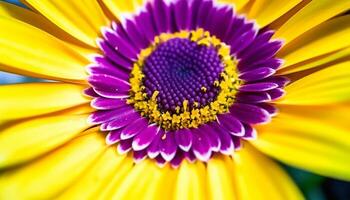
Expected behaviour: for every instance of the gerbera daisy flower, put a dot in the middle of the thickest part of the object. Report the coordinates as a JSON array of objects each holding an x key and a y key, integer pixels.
[{"x": 173, "y": 99}]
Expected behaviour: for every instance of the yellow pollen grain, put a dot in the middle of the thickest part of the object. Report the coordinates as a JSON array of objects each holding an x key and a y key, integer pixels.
[
  {"x": 177, "y": 109},
  {"x": 216, "y": 83},
  {"x": 195, "y": 104},
  {"x": 185, "y": 105}
]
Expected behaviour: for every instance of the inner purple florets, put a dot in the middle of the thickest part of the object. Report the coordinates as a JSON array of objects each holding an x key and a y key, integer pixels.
[
  {"x": 178, "y": 69},
  {"x": 182, "y": 70}
]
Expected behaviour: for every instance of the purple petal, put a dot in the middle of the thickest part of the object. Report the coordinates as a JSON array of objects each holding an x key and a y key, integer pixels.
[
  {"x": 134, "y": 128},
  {"x": 260, "y": 41},
  {"x": 213, "y": 137},
  {"x": 161, "y": 15},
  {"x": 139, "y": 156},
  {"x": 121, "y": 45},
  {"x": 237, "y": 142},
  {"x": 107, "y": 104},
  {"x": 203, "y": 13},
  {"x": 236, "y": 29},
  {"x": 190, "y": 156},
  {"x": 111, "y": 93},
  {"x": 183, "y": 138},
  {"x": 250, "y": 132},
  {"x": 109, "y": 82},
  {"x": 253, "y": 97},
  {"x": 243, "y": 41},
  {"x": 255, "y": 87},
  {"x": 249, "y": 113},
  {"x": 135, "y": 35},
  {"x": 265, "y": 52},
  {"x": 114, "y": 56},
  {"x": 124, "y": 146},
  {"x": 103, "y": 126},
  {"x": 232, "y": 124},
  {"x": 90, "y": 92},
  {"x": 194, "y": 7},
  {"x": 115, "y": 72},
  {"x": 145, "y": 137},
  {"x": 269, "y": 50},
  {"x": 181, "y": 14},
  {"x": 272, "y": 110},
  {"x": 106, "y": 63},
  {"x": 168, "y": 146},
  {"x": 227, "y": 145},
  {"x": 147, "y": 27},
  {"x": 201, "y": 146},
  {"x": 273, "y": 63},
  {"x": 276, "y": 93},
  {"x": 257, "y": 74},
  {"x": 113, "y": 137},
  {"x": 99, "y": 117},
  {"x": 223, "y": 15},
  {"x": 172, "y": 19},
  {"x": 154, "y": 148},
  {"x": 122, "y": 121},
  {"x": 177, "y": 160},
  {"x": 160, "y": 161},
  {"x": 281, "y": 81},
  {"x": 207, "y": 23}
]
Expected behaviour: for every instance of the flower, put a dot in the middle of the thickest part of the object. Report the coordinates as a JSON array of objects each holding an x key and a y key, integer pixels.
[{"x": 172, "y": 99}]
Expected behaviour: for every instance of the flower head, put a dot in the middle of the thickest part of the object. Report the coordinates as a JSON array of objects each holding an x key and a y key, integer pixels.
[{"x": 184, "y": 88}]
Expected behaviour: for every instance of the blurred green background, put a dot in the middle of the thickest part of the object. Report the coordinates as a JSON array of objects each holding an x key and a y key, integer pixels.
[{"x": 313, "y": 186}]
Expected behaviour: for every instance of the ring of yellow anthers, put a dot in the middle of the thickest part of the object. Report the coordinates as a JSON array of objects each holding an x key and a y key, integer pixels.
[{"x": 185, "y": 118}]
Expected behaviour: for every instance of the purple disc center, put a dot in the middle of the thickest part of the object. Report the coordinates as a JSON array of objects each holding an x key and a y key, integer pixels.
[{"x": 180, "y": 69}]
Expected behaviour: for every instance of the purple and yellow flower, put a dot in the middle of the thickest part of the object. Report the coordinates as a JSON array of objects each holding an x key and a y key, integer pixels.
[{"x": 173, "y": 99}]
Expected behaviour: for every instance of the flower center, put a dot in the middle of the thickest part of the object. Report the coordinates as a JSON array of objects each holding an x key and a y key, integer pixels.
[
  {"x": 184, "y": 80},
  {"x": 181, "y": 70}
]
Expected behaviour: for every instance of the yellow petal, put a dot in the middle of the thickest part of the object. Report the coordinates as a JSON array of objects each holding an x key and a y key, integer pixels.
[
  {"x": 134, "y": 181},
  {"x": 339, "y": 55},
  {"x": 76, "y": 110},
  {"x": 23, "y": 141},
  {"x": 30, "y": 51},
  {"x": 25, "y": 15},
  {"x": 118, "y": 8},
  {"x": 190, "y": 183},
  {"x": 141, "y": 182},
  {"x": 310, "y": 16},
  {"x": 258, "y": 177},
  {"x": 83, "y": 20},
  {"x": 328, "y": 37},
  {"x": 96, "y": 178},
  {"x": 266, "y": 11},
  {"x": 313, "y": 144},
  {"x": 220, "y": 180},
  {"x": 329, "y": 85},
  {"x": 122, "y": 171},
  {"x": 238, "y": 4},
  {"x": 333, "y": 114},
  {"x": 51, "y": 175},
  {"x": 31, "y": 99},
  {"x": 159, "y": 184},
  {"x": 166, "y": 184}
]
